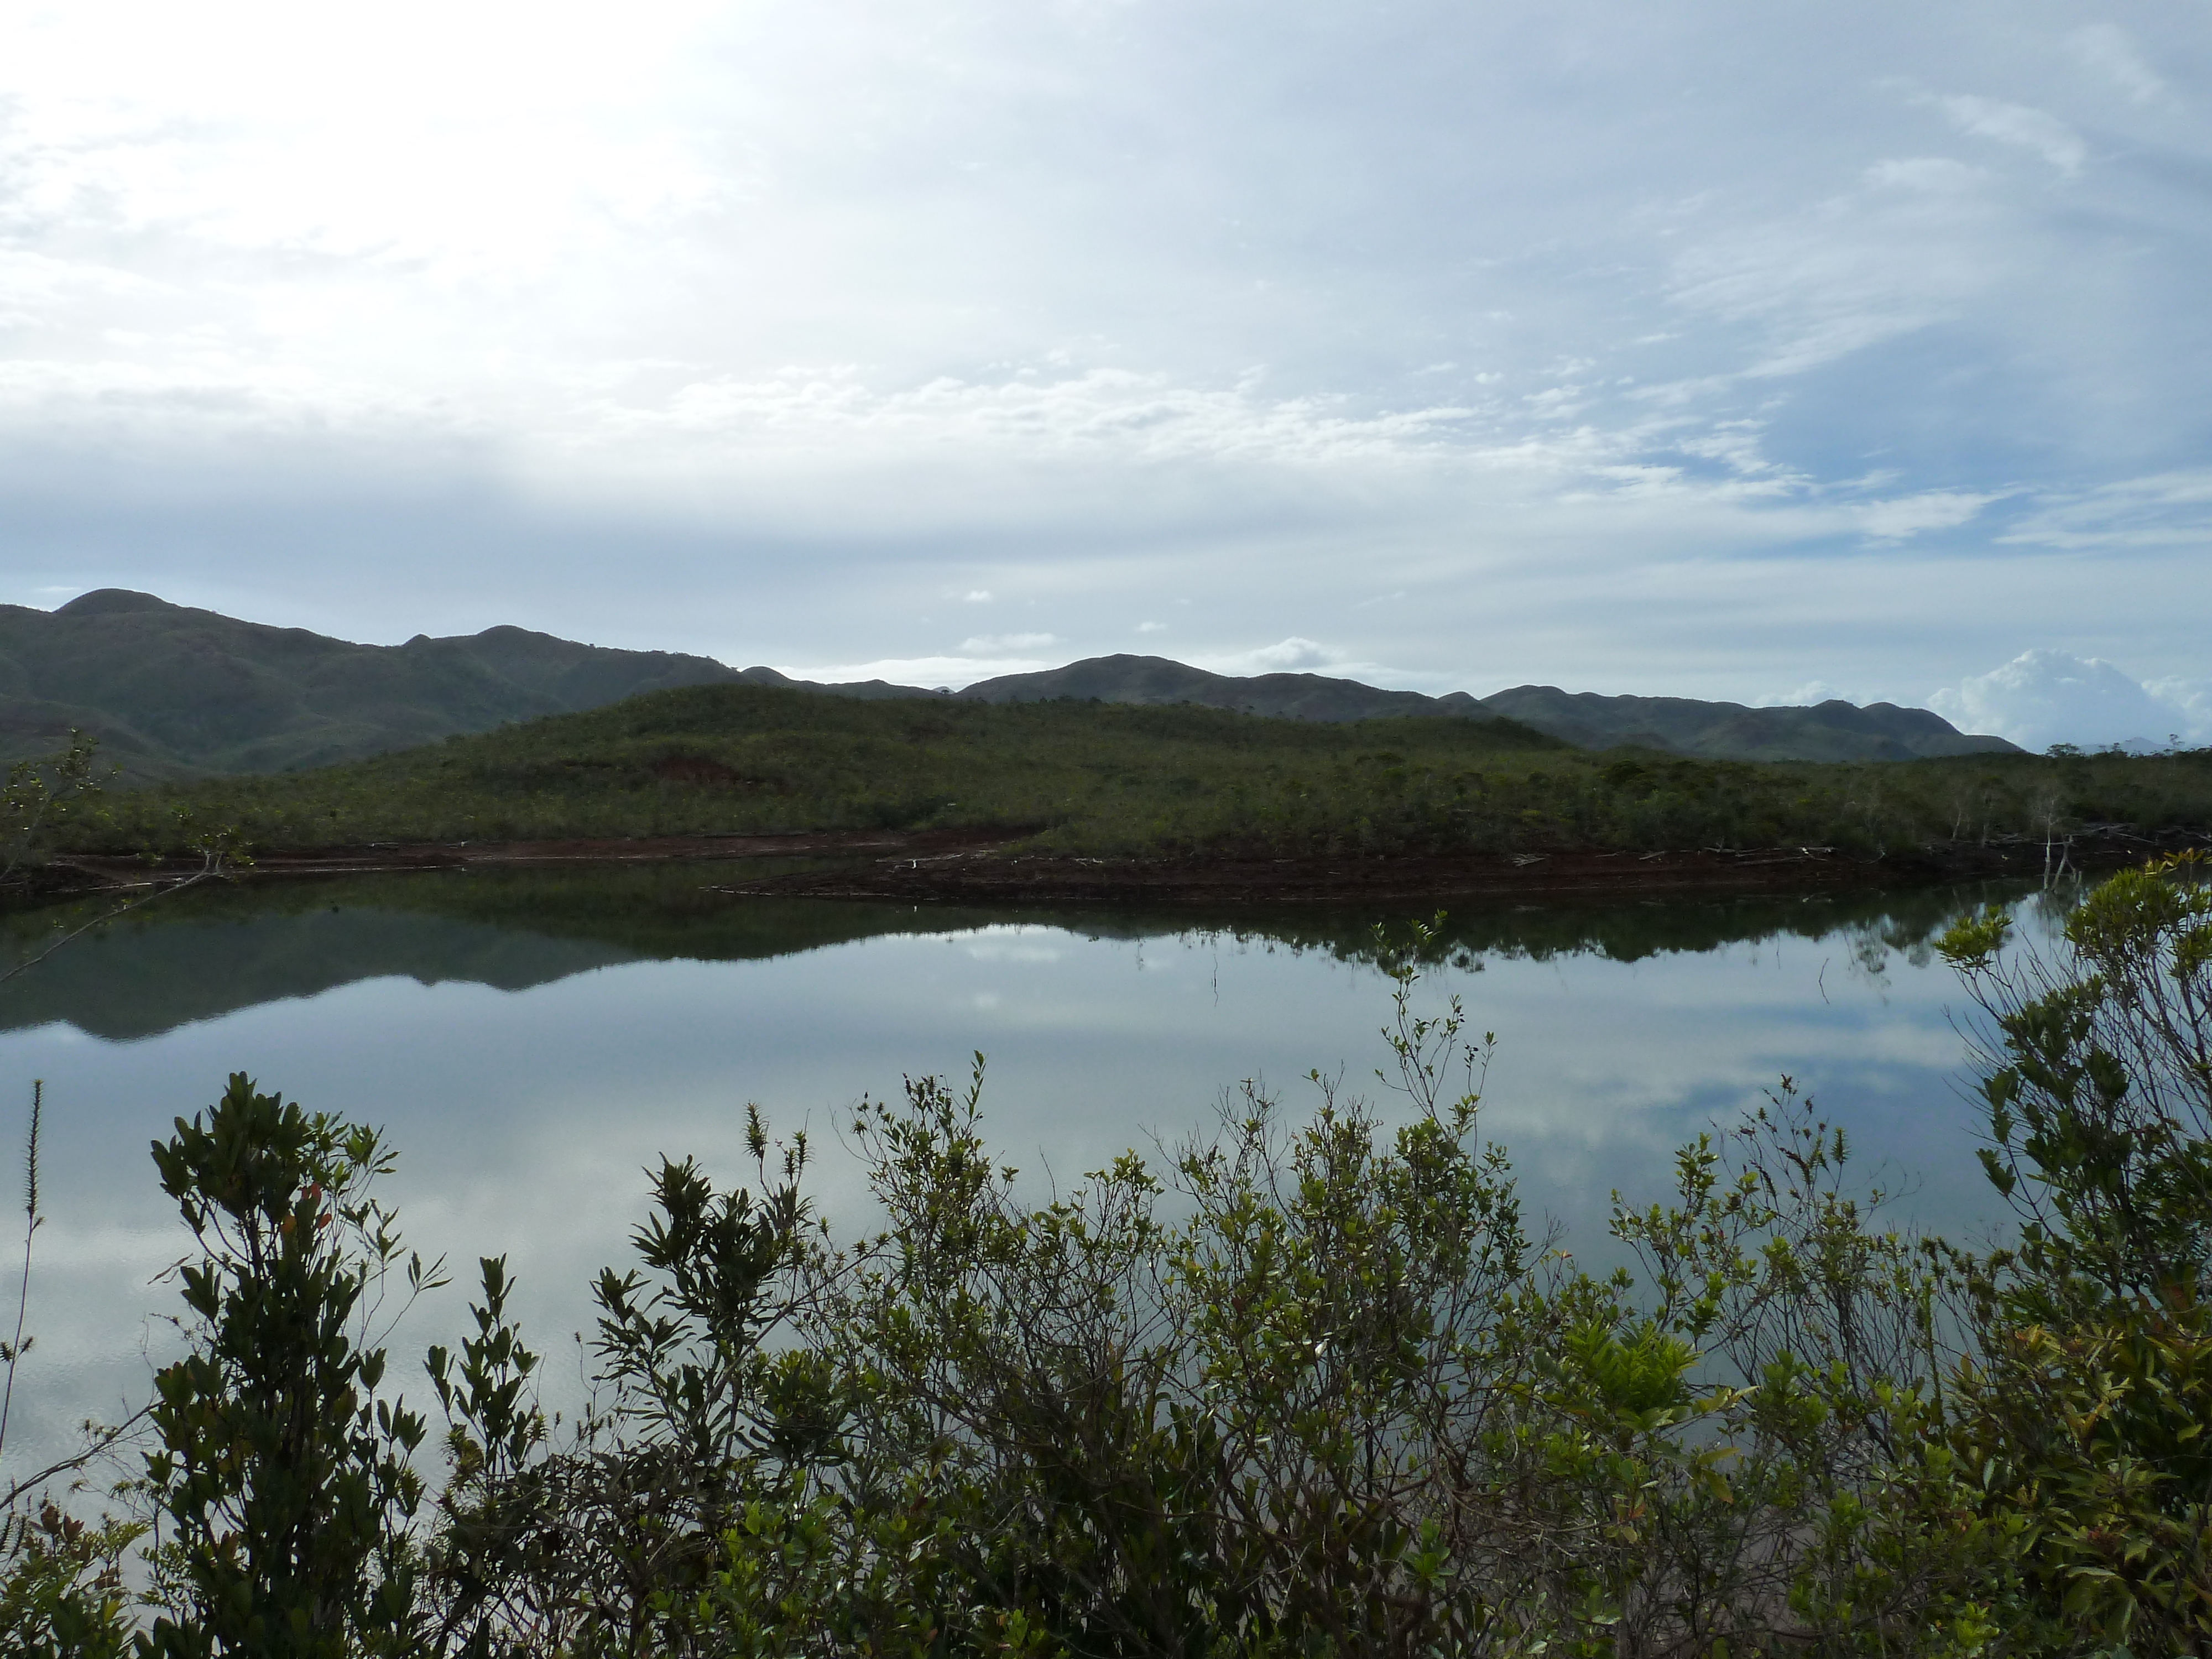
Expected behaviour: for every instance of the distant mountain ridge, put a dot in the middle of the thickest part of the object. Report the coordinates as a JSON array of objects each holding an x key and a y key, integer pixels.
[
  {"x": 171, "y": 691},
  {"x": 1161, "y": 680},
  {"x": 175, "y": 692},
  {"x": 1832, "y": 731}
]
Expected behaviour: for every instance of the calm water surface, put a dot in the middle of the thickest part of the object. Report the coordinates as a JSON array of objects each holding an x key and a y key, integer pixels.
[{"x": 531, "y": 1041}]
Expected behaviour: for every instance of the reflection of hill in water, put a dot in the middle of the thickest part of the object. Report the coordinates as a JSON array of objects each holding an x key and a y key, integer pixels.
[
  {"x": 139, "y": 979},
  {"x": 1620, "y": 929},
  {"x": 210, "y": 952}
]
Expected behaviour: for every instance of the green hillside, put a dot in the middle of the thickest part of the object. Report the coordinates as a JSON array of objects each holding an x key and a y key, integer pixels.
[
  {"x": 1106, "y": 779},
  {"x": 754, "y": 759},
  {"x": 1832, "y": 731},
  {"x": 174, "y": 692}
]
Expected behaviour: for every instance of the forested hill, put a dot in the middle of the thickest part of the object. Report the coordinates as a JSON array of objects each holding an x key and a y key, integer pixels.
[
  {"x": 1158, "y": 680},
  {"x": 172, "y": 692},
  {"x": 1834, "y": 731}
]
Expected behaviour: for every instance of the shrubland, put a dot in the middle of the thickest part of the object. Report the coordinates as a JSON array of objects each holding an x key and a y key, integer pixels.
[
  {"x": 1313, "y": 1383},
  {"x": 1111, "y": 780}
]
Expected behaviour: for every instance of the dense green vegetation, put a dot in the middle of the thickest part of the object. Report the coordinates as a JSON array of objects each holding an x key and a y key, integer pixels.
[
  {"x": 1303, "y": 1388},
  {"x": 1105, "y": 780}
]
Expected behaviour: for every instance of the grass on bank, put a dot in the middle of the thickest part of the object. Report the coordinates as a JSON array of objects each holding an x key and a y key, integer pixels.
[{"x": 1110, "y": 780}]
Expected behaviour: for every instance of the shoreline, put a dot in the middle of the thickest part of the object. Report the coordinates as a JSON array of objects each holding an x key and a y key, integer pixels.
[{"x": 968, "y": 866}]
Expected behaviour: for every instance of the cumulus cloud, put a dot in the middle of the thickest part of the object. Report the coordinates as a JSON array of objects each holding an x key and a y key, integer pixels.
[
  {"x": 1807, "y": 695},
  {"x": 1291, "y": 656},
  {"x": 2192, "y": 698},
  {"x": 1001, "y": 645},
  {"x": 2043, "y": 697}
]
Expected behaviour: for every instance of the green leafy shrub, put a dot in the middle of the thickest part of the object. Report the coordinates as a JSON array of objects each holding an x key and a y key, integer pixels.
[
  {"x": 283, "y": 1478},
  {"x": 2088, "y": 1405},
  {"x": 1304, "y": 1388},
  {"x": 62, "y": 1589}
]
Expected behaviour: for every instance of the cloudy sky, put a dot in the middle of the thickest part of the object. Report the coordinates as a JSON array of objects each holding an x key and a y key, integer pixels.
[{"x": 1759, "y": 350}]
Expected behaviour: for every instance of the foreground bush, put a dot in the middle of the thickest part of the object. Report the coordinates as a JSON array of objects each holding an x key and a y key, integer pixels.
[
  {"x": 2088, "y": 1403},
  {"x": 1299, "y": 1388}
]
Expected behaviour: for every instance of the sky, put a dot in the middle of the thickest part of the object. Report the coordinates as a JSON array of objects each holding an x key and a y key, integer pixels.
[{"x": 1765, "y": 351}]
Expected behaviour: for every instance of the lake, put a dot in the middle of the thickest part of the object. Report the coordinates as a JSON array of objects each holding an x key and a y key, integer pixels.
[{"x": 531, "y": 1041}]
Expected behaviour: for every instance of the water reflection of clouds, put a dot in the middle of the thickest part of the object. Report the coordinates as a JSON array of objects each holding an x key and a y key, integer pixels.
[
  {"x": 1005, "y": 942},
  {"x": 525, "y": 1119}
]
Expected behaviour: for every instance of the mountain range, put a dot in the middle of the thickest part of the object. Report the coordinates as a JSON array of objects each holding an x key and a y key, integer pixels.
[
  {"x": 1832, "y": 731},
  {"x": 174, "y": 692}
]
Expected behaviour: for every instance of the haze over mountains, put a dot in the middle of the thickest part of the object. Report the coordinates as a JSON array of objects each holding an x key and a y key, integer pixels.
[{"x": 172, "y": 692}]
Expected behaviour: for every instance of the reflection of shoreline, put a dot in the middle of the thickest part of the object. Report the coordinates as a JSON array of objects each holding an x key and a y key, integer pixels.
[
  {"x": 994, "y": 876},
  {"x": 213, "y": 952}
]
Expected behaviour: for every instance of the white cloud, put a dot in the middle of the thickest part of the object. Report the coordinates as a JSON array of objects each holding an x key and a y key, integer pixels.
[
  {"x": 952, "y": 671},
  {"x": 1842, "y": 275},
  {"x": 2192, "y": 698},
  {"x": 1000, "y": 644},
  {"x": 2106, "y": 48},
  {"x": 1292, "y": 655},
  {"x": 477, "y": 144},
  {"x": 1105, "y": 411},
  {"x": 2018, "y": 125},
  {"x": 1805, "y": 697},
  {"x": 1937, "y": 174},
  {"x": 2165, "y": 510},
  {"x": 1151, "y": 628},
  {"x": 1735, "y": 445},
  {"x": 2042, "y": 696},
  {"x": 1909, "y": 515}
]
